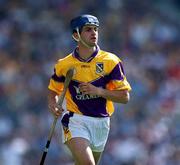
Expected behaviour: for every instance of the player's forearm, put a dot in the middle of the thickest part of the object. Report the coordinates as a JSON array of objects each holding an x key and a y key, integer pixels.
[
  {"x": 51, "y": 97},
  {"x": 119, "y": 96},
  {"x": 52, "y": 104}
]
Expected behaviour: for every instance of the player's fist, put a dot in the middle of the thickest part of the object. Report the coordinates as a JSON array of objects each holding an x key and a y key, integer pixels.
[{"x": 56, "y": 110}]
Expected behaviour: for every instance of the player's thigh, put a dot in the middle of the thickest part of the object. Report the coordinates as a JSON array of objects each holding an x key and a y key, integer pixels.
[
  {"x": 97, "y": 157},
  {"x": 81, "y": 151}
]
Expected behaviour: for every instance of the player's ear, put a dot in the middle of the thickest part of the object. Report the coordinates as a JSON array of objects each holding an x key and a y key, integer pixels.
[{"x": 75, "y": 36}]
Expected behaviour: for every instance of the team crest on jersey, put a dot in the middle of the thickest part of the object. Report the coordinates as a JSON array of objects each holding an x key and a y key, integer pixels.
[{"x": 99, "y": 67}]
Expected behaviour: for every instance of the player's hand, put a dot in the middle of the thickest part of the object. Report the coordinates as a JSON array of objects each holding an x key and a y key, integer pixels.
[
  {"x": 56, "y": 110},
  {"x": 87, "y": 88}
]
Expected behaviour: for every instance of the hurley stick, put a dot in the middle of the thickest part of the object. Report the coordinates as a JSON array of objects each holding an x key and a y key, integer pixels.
[{"x": 68, "y": 78}]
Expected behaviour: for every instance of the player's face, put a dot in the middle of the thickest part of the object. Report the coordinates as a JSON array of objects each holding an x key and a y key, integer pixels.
[{"x": 89, "y": 34}]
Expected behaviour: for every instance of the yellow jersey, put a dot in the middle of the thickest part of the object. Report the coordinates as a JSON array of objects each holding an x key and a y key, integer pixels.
[{"x": 102, "y": 69}]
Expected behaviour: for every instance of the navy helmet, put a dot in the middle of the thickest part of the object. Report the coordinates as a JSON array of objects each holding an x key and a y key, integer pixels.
[{"x": 82, "y": 20}]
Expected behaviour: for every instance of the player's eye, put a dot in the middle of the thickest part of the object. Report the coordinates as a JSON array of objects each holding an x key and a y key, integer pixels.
[
  {"x": 88, "y": 29},
  {"x": 95, "y": 29}
]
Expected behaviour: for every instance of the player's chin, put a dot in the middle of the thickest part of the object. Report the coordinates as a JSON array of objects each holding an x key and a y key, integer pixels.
[{"x": 92, "y": 44}]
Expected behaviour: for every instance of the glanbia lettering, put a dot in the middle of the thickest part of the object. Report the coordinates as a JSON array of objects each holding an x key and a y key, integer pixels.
[{"x": 86, "y": 97}]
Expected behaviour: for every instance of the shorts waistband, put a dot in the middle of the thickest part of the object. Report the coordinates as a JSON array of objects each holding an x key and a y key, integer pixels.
[{"x": 77, "y": 114}]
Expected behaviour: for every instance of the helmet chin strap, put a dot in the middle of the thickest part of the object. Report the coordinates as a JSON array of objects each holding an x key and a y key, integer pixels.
[{"x": 80, "y": 39}]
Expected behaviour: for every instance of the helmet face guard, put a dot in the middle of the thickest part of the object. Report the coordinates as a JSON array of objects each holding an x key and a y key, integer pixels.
[{"x": 80, "y": 21}]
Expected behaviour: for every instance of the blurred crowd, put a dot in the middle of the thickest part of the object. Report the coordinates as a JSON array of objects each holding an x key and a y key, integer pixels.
[{"x": 145, "y": 35}]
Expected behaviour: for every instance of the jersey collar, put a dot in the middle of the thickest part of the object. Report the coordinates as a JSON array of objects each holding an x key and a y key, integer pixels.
[{"x": 76, "y": 55}]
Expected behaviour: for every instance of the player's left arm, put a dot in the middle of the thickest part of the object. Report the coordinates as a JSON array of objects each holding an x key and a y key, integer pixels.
[
  {"x": 116, "y": 90},
  {"x": 119, "y": 96}
]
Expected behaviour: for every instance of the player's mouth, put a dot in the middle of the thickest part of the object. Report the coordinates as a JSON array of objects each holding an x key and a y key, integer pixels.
[{"x": 93, "y": 38}]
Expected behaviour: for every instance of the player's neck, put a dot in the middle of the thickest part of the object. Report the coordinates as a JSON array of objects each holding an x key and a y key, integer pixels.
[{"x": 85, "y": 52}]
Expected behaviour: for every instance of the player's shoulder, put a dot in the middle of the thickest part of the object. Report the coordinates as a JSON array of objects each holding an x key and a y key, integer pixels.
[
  {"x": 65, "y": 60},
  {"x": 63, "y": 64},
  {"x": 109, "y": 56}
]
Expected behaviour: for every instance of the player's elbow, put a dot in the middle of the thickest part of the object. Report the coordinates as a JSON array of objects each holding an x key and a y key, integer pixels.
[{"x": 125, "y": 97}]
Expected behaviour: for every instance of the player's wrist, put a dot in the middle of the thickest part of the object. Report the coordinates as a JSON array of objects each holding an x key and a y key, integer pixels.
[{"x": 100, "y": 91}]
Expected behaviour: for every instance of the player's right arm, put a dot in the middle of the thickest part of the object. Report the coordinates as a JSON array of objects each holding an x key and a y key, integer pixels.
[{"x": 55, "y": 88}]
